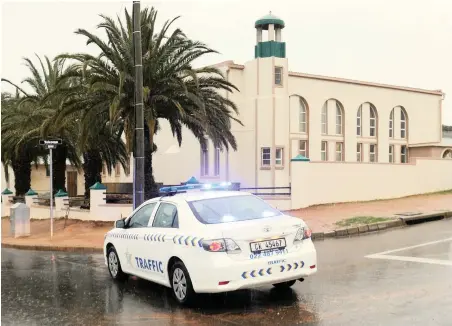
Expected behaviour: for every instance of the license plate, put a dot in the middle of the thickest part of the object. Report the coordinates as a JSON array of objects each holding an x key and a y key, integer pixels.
[{"x": 257, "y": 247}]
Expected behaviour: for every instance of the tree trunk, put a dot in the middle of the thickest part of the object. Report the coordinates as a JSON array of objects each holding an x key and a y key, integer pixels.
[
  {"x": 92, "y": 168},
  {"x": 22, "y": 173},
  {"x": 59, "y": 168},
  {"x": 150, "y": 189}
]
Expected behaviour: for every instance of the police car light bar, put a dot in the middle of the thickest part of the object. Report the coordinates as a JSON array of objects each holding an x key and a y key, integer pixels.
[{"x": 198, "y": 186}]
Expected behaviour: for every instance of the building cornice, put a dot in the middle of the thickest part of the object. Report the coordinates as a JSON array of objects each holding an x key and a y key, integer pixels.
[{"x": 233, "y": 65}]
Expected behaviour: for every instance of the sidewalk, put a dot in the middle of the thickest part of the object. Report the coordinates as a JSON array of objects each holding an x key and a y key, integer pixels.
[
  {"x": 322, "y": 218},
  {"x": 90, "y": 235}
]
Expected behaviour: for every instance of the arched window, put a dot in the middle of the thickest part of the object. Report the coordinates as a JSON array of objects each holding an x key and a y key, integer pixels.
[
  {"x": 402, "y": 123},
  {"x": 339, "y": 119},
  {"x": 391, "y": 124},
  {"x": 398, "y": 120},
  {"x": 447, "y": 154},
  {"x": 333, "y": 106},
  {"x": 359, "y": 122},
  {"x": 325, "y": 119},
  {"x": 373, "y": 122},
  {"x": 303, "y": 118}
]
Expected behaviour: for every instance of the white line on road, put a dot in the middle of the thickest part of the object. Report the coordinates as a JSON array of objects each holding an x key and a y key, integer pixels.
[
  {"x": 412, "y": 259},
  {"x": 411, "y": 247}
]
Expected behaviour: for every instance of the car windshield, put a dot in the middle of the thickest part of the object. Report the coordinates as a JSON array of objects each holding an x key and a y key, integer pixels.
[{"x": 231, "y": 209}]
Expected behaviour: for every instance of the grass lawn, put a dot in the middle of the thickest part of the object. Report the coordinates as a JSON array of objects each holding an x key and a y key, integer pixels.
[{"x": 361, "y": 220}]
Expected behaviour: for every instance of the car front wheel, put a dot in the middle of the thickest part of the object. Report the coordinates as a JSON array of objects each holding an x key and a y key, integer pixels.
[
  {"x": 181, "y": 283},
  {"x": 114, "y": 266},
  {"x": 284, "y": 285}
]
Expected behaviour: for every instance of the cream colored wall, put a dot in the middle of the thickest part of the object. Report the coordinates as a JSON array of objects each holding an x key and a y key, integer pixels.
[
  {"x": 270, "y": 115},
  {"x": 10, "y": 184},
  {"x": 427, "y": 151},
  {"x": 316, "y": 183},
  {"x": 40, "y": 182},
  {"x": 423, "y": 110}
]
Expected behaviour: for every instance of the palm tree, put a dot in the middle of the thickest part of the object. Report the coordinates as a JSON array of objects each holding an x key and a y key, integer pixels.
[
  {"x": 42, "y": 108},
  {"x": 173, "y": 89},
  {"x": 101, "y": 144},
  {"x": 99, "y": 138},
  {"x": 19, "y": 156}
]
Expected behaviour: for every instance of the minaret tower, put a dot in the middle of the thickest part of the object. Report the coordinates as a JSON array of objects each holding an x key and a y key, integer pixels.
[{"x": 273, "y": 46}]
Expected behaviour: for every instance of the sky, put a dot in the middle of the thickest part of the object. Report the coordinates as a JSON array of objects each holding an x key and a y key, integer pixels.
[{"x": 399, "y": 42}]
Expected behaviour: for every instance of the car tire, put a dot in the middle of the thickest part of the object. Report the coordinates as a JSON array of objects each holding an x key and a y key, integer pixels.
[
  {"x": 181, "y": 285},
  {"x": 284, "y": 285},
  {"x": 114, "y": 265}
]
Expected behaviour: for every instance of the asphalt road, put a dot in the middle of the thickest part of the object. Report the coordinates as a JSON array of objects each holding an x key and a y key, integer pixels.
[{"x": 412, "y": 286}]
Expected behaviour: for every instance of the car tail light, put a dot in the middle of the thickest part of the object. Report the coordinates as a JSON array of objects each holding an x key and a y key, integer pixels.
[
  {"x": 302, "y": 234},
  {"x": 221, "y": 245}
]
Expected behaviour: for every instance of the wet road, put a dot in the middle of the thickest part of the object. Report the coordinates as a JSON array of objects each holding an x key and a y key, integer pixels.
[{"x": 399, "y": 285}]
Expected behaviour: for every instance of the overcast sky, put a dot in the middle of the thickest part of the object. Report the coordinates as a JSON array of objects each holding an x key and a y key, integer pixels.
[{"x": 401, "y": 42}]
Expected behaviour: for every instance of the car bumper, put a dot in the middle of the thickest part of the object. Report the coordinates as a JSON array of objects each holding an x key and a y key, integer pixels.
[{"x": 246, "y": 274}]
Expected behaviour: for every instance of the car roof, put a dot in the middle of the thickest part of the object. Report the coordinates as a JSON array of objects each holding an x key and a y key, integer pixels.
[{"x": 190, "y": 196}]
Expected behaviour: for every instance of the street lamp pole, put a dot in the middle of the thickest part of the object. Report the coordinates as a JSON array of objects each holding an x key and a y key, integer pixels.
[{"x": 138, "y": 175}]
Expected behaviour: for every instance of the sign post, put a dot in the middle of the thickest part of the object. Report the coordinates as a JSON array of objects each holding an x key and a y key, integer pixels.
[{"x": 51, "y": 144}]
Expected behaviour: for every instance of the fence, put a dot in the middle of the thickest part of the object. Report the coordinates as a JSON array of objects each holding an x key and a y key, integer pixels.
[{"x": 282, "y": 191}]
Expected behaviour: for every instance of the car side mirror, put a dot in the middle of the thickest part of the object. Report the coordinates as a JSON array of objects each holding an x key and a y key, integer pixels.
[{"x": 120, "y": 224}]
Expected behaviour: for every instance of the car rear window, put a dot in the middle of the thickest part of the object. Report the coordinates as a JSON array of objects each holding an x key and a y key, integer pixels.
[{"x": 231, "y": 209}]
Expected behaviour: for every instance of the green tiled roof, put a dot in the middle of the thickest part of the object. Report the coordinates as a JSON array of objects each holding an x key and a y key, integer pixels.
[
  {"x": 98, "y": 186},
  {"x": 31, "y": 192},
  {"x": 7, "y": 192},
  {"x": 300, "y": 158},
  {"x": 269, "y": 19}
]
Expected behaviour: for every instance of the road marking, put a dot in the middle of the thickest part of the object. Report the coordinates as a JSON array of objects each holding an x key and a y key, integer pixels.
[
  {"x": 384, "y": 254},
  {"x": 412, "y": 247},
  {"x": 413, "y": 259}
]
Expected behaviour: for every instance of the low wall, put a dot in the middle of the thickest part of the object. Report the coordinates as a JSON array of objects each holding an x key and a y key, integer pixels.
[
  {"x": 316, "y": 183},
  {"x": 110, "y": 212},
  {"x": 282, "y": 203}
]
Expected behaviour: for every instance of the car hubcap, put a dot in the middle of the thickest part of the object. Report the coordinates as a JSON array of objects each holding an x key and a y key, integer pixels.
[
  {"x": 179, "y": 284},
  {"x": 113, "y": 263}
]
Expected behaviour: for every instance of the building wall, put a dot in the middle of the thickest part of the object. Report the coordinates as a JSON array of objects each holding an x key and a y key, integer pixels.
[
  {"x": 40, "y": 182},
  {"x": 270, "y": 117},
  {"x": 423, "y": 111},
  {"x": 426, "y": 151},
  {"x": 315, "y": 183}
]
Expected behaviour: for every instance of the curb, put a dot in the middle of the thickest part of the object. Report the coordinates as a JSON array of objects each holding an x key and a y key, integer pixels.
[
  {"x": 398, "y": 222},
  {"x": 341, "y": 233},
  {"x": 52, "y": 248}
]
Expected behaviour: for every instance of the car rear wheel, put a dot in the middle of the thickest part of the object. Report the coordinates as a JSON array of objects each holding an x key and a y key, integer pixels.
[
  {"x": 114, "y": 266},
  {"x": 284, "y": 285},
  {"x": 181, "y": 283}
]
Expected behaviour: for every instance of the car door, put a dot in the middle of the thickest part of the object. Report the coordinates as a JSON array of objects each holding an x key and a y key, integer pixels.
[
  {"x": 160, "y": 239},
  {"x": 135, "y": 230}
]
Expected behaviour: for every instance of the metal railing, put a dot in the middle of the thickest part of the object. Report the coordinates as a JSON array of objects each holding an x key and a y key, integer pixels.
[{"x": 281, "y": 191}]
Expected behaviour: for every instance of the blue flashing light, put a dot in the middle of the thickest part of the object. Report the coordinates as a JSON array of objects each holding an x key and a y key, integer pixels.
[{"x": 199, "y": 186}]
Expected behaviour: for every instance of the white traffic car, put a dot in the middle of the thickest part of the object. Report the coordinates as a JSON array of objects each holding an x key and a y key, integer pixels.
[{"x": 210, "y": 241}]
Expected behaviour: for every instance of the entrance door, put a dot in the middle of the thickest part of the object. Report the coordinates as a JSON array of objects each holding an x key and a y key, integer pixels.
[{"x": 72, "y": 183}]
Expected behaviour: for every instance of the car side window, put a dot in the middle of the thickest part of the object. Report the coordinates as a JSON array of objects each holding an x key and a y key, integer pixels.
[
  {"x": 141, "y": 218},
  {"x": 166, "y": 216}
]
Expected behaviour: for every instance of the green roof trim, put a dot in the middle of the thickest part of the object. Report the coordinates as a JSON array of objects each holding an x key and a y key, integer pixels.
[
  {"x": 269, "y": 19},
  {"x": 61, "y": 193},
  {"x": 7, "y": 192},
  {"x": 270, "y": 49},
  {"x": 31, "y": 192},
  {"x": 98, "y": 186},
  {"x": 192, "y": 181},
  {"x": 300, "y": 158}
]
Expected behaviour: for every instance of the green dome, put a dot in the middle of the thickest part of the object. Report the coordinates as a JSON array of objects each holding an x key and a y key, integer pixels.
[{"x": 269, "y": 19}]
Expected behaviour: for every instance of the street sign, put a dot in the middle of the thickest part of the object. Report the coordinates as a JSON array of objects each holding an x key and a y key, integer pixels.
[{"x": 51, "y": 144}]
